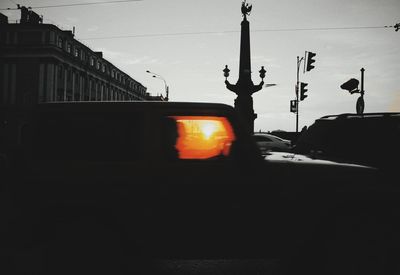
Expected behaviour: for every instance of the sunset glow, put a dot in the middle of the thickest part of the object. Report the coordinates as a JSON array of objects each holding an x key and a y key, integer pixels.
[{"x": 203, "y": 137}]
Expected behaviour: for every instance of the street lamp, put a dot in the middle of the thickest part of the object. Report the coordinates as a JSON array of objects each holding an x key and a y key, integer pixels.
[{"x": 165, "y": 83}]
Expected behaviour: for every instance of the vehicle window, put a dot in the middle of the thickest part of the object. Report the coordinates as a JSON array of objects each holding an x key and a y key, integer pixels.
[
  {"x": 89, "y": 137},
  {"x": 203, "y": 137},
  {"x": 265, "y": 139}
]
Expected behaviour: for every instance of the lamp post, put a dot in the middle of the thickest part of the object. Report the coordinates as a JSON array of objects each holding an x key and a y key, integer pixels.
[{"x": 165, "y": 83}]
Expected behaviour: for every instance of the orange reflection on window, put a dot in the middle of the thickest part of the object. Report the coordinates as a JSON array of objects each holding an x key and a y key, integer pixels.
[{"x": 203, "y": 137}]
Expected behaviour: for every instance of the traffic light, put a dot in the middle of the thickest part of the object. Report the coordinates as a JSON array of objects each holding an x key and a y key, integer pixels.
[
  {"x": 293, "y": 106},
  {"x": 310, "y": 61},
  {"x": 303, "y": 90}
]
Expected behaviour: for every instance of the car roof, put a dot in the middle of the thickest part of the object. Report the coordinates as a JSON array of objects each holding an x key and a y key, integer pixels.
[
  {"x": 361, "y": 116},
  {"x": 268, "y": 134},
  {"x": 140, "y": 106},
  {"x": 263, "y": 134}
]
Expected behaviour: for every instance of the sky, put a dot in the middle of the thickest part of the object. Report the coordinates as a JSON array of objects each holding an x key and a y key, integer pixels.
[{"x": 189, "y": 42}]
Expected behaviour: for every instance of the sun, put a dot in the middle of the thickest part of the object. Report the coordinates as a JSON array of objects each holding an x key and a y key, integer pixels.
[{"x": 208, "y": 127}]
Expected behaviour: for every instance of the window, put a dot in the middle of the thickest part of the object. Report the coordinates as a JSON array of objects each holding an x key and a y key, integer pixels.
[
  {"x": 92, "y": 61},
  {"x": 203, "y": 137},
  {"x": 59, "y": 71},
  {"x": 84, "y": 136},
  {"x": 76, "y": 52},
  {"x": 262, "y": 138},
  {"x": 60, "y": 42},
  {"x": 69, "y": 75},
  {"x": 69, "y": 47}
]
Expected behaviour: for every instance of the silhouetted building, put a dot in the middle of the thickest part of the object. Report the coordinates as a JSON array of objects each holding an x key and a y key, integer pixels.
[
  {"x": 42, "y": 63},
  {"x": 3, "y": 19}
]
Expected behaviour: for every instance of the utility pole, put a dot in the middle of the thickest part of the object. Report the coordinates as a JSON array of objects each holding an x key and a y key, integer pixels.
[
  {"x": 301, "y": 87},
  {"x": 297, "y": 92}
]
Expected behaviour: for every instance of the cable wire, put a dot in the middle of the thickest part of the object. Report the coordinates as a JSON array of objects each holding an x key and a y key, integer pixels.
[
  {"x": 223, "y": 32},
  {"x": 76, "y": 4}
]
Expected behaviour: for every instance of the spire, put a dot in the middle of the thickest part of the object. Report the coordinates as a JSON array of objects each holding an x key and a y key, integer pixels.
[{"x": 244, "y": 87}]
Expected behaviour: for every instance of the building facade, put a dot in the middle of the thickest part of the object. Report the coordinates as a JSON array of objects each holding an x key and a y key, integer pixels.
[{"x": 42, "y": 63}]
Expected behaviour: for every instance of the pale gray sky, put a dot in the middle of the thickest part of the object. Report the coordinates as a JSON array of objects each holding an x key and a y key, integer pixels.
[{"x": 189, "y": 42}]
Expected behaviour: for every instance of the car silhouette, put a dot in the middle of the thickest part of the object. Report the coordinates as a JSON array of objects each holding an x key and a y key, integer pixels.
[
  {"x": 268, "y": 142},
  {"x": 369, "y": 139}
]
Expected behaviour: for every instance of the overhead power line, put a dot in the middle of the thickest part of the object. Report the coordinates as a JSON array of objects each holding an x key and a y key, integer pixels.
[
  {"x": 223, "y": 32},
  {"x": 12, "y": 2},
  {"x": 77, "y": 4}
]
